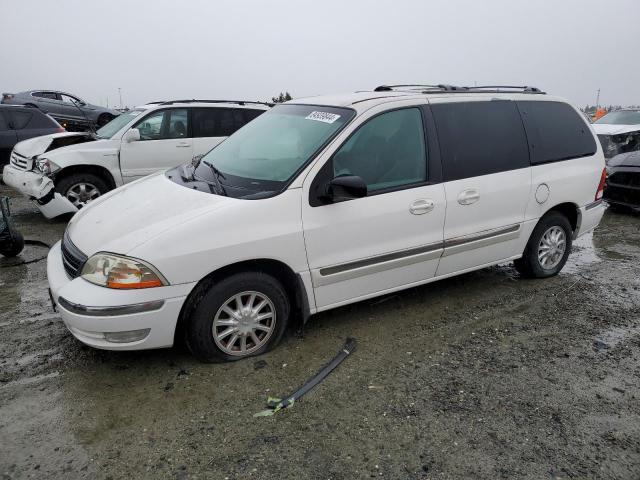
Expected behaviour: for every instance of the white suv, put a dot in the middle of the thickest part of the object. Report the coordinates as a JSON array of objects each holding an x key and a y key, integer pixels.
[
  {"x": 326, "y": 201},
  {"x": 65, "y": 171}
]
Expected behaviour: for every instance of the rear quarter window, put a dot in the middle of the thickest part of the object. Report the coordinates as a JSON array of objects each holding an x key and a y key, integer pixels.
[
  {"x": 555, "y": 132},
  {"x": 480, "y": 138},
  {"x": 20, "y": 118},
  {"x": 40, "y": 120}
]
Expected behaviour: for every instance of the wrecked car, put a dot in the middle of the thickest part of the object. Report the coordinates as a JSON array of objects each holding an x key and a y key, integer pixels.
[
  {"x": 63, "y": 172},
  {"x": 619, "y": 131},
  {"x": 21, "y": 123},
  {"x": 71, "y": 111},
  {"x": 623, "y": 181}
]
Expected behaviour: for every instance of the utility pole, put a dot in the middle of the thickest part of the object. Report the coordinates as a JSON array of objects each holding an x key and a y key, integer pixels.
[
  {"x": 598, "y": 100},
  {"x": 120, "y": 94}
]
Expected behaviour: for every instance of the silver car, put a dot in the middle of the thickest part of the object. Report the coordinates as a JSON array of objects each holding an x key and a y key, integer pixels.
[{"x": 70, "y": 111}]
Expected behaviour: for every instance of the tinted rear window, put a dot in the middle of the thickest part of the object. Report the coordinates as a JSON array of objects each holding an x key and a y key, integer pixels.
[
  {"x": 480, "y": 138},
  {"x": 40, "y": 120},
  {"x": 221, "y": 122},
  {"x": 555, "y": 132},
  {"x": 20, "y": 118}
]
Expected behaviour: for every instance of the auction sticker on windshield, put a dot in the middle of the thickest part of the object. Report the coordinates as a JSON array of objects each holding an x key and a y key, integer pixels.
[{"x": 325, "y": 117}]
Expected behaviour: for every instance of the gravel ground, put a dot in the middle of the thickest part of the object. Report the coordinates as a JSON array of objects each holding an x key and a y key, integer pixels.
[{"x": 481, "y": 376}]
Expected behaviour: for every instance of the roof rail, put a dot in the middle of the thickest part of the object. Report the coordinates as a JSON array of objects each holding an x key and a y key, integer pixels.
[
  {"x": 193, "y": 100},
  {"x": 418, "y": 88}
]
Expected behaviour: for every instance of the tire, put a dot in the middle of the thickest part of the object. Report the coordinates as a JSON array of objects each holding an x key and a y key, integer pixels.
[
  {"x": 12, "y": 244},
  {"x": 71, "y": 187},
  {"x": 104, "y": 119},
  {"x": 208, "y": 315},
  {"x": 553, "y": 225}
]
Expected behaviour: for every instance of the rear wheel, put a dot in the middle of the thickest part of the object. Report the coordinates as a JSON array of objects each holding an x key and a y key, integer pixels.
[
  {"x": 548, "y": 247},
  {"x": 81, "y": 188},
  {"x": 240, "y": 316}
]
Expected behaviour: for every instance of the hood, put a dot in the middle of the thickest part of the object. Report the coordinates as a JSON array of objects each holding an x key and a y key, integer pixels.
[
  {"x": 630, "y": 159},
  {"x": 607, "y": 129},
  {"x": 38, "y": 145},
  {"x": 129, "y": 216}
]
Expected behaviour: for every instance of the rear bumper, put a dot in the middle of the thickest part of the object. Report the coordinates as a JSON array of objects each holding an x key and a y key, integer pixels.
[
  {"x": 95, "y": 315},
  {"x": 590, "y": 216},
  {"x": 40, "y": 189}
]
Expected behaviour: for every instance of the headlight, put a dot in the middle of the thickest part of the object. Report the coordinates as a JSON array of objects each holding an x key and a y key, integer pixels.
[
  {"x": 46, "y": 166},
  {"x": 114, "y": 271}
]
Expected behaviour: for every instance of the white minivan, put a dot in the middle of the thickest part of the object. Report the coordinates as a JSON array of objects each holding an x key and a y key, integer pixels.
[{"x": 325, "y": 201}]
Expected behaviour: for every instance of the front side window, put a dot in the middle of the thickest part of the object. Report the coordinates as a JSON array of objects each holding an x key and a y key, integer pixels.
[
  {"x": 69, "y": 99},
  {"x": 164, "y": 124},
  {"x": 178, "y": 123},
  {"x": 386, "y": 152},
  {"x": 480, "y": 138},
  {"x": 269, "y": 151}
]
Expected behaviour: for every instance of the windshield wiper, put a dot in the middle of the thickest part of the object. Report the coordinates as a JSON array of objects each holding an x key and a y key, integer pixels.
[{"x": 216, "y": 174}]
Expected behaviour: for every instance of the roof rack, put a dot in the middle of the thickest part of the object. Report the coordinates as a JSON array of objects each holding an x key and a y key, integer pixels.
[
  {"x": 418, "y": 88},
  {"x": 193, "y": 100}
]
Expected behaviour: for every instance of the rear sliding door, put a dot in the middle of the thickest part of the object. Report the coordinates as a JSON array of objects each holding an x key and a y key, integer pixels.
[{"x": 485, "y": 161}]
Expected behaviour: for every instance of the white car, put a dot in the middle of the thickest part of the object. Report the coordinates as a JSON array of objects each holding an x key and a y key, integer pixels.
[
  {"x": 326, "y": 201},
  {"x": 619, "y": 131},
  {"x": 63, "y": 172}
]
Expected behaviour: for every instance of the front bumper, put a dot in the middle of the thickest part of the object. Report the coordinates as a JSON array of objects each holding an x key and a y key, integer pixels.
[
  {"x": 40, "y": 189},
  {"x": 96, "y": 315}
]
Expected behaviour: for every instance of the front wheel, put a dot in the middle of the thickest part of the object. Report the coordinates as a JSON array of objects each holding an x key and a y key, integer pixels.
[
  {"x": 548, "y": 247},
  {"x": 81, "y": 188},
  {"x": 243, "y": 315}
]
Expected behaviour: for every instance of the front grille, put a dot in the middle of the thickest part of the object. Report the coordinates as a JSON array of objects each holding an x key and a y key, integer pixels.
[
  {"x": 72, "y": 258},
  {"x": 17, "y": 160}
]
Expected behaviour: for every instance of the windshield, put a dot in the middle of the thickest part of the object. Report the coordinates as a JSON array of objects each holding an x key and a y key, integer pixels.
[
  {"x": 266, "y": 153},
  {"x": 621, "y": 117},
  {"x": 114, "y": 126}
]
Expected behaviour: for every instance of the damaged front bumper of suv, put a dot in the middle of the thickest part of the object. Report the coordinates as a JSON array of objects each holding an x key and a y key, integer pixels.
[{"x": 39, "y": 188}]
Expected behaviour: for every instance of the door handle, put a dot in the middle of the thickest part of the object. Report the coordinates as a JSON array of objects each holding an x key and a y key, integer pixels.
[
  {"x": 467, "y": 197},
  {"x": 183, "y": 145},
  {"x": 421, "y": 206}
]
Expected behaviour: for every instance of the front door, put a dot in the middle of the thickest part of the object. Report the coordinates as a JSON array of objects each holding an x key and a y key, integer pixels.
[
  {"x": 392, "y": 237},
  {"x": 165, "y": 142}
]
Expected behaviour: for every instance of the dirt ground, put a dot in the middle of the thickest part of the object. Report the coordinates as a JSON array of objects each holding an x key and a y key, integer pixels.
[{"x": 481, "y": 376}]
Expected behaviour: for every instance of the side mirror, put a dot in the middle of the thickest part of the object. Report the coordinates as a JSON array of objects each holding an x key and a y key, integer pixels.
[
  {"x": 346, "y": 187},
  {"x": 131, "y": 135}
]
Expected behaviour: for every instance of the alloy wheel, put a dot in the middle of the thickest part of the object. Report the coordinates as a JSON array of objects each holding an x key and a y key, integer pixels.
[
  {"x": 244, "y": 323},
  {"x": 82, "y": 193},
  {"x": 552, "y": 247}
]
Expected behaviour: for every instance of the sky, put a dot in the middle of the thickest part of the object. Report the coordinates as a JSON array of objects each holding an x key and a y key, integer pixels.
[{"x": 253, "y": 49}]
